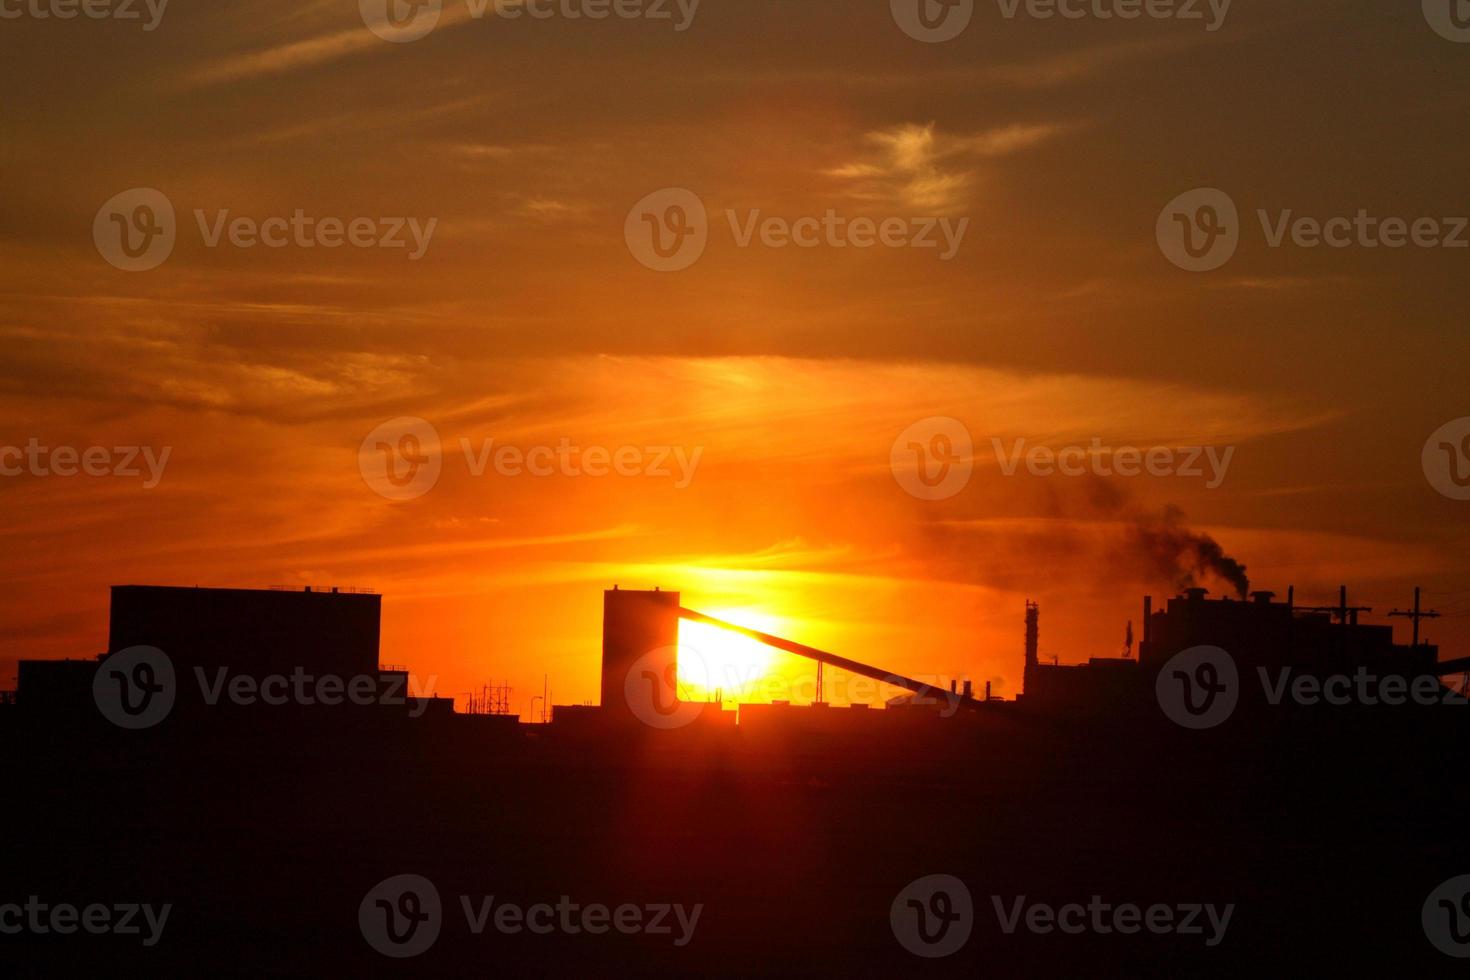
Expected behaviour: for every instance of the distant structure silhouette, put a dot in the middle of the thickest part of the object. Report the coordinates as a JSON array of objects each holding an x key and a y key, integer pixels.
[
  {"x": 208, "y": 633},
  {"x": 266, "y": 825}
]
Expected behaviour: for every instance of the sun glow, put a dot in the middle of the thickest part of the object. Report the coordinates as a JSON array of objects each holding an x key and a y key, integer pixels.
[{"x": 713, "y": 660}]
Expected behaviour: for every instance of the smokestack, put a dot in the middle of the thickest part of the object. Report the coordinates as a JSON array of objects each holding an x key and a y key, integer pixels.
[
  {"x": 1033, "y": 631},
  {"x": 969, "y": 690}
]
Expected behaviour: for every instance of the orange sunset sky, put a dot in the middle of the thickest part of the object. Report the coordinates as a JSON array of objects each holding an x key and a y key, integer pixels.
[{"x": 791, "y": 370}]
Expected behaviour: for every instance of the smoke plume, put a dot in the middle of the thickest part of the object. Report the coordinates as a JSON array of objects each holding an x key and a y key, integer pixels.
[{"x": 1188, "y": 558}]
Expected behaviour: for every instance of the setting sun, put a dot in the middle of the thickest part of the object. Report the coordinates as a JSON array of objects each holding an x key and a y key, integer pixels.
[{"x": 715, "y": 661}]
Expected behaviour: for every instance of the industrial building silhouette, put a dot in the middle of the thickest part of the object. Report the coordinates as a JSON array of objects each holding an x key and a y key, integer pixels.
[
  {"x": 335, "y": 632},
  {"x": 795, "y": 827}
]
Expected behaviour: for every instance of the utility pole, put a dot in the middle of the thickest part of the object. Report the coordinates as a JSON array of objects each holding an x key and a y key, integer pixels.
[
  {"x": 1416, "y": 615},
  {"x": 1345, "y": 614}
]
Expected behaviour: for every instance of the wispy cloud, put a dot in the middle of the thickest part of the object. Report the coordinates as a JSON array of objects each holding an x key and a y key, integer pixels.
[
  {"x": 309, "y": 53},
  {"x": 918, "y": 167},
  {"x": 287, "y": 57}
]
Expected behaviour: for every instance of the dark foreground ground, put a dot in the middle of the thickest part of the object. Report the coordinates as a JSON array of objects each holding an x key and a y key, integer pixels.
[{"x": 1327, "y": 838}]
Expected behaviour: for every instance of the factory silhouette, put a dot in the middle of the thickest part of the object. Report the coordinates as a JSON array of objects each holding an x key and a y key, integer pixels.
[
  {"x": 193, "y": 635},
  {"x": 246, "y": 755}
]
